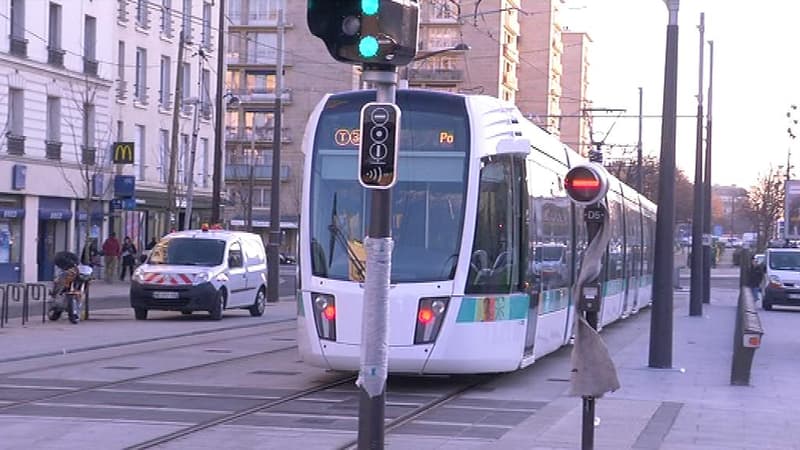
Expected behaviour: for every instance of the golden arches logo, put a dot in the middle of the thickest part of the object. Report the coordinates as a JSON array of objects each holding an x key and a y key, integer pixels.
[{"x": 123, "y": 153}]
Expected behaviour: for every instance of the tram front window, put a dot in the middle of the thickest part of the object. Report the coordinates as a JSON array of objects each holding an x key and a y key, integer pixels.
[{"x": 427, "y": 210}]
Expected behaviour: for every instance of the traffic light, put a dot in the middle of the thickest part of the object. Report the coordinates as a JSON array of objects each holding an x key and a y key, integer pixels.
[
  {"x": 381, "y": 32},
  {"x": 586, "y": 184},
  {"x": 377, "y": 151}
]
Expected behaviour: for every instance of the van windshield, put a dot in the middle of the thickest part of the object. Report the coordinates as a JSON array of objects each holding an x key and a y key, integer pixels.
[
  {"x": 183, "y": 251},
  {"x": 782, "y": 260}
]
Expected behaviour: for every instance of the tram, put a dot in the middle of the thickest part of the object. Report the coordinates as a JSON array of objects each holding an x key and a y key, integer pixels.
[{"x": 486, "y": 241}]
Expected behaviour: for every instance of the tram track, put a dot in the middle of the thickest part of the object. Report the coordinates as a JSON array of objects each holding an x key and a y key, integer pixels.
[
  {"x": 111, "y": 384},
  {"x": 144, "y": 352}
]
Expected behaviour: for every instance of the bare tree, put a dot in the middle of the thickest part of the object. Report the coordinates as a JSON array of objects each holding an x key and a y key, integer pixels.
[
  {"x": 93, "y": 159},
  {"x": 765, "y": 205}
]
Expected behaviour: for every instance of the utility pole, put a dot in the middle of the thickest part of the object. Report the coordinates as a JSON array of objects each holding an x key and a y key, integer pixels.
[
  {"x": 187, "y": 222},
  {"x": 639, "y": 147},
  {"x": 698, "y": 240},
  {"x": 707, "y": 255},
  {"x": 661, "y": 317},
  {"x": 172, "y": 204},
  {"x": 275, "y": 181},
  {"x": 250, "y": 178},
  {"x": 216, "y": 177}
]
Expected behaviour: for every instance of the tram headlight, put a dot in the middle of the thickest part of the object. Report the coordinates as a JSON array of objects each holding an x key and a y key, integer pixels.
[
  {"x": 430, "y": 315},
  {"x": 324, "y": 315}
]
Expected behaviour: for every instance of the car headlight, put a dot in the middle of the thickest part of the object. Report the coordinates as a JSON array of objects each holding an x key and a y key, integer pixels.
[
  {"x": 137, "y": 275},
  {"x": 775, "y": 281},
  {"x": 201, "y": 277}
]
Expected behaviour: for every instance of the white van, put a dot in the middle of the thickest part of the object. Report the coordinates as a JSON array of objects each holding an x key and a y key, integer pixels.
[
  {"x": 202, "y": 270},
  {"x": 782, "y": 277}
]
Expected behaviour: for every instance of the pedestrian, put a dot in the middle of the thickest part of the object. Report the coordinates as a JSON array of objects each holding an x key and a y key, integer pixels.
[
  {"x": 111, "y": 252},
  {"x": 128, "y": 258},
  {"x": 90, "y": 253},
  {"x": 754, "y": 278}
]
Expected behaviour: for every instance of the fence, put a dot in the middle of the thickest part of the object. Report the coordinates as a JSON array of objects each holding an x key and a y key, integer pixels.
[{"x": 22, "y": 293}]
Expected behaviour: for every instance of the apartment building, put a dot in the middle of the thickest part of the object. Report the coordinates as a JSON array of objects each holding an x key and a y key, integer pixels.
[
  {"x": 575, "y": 122},
  {"x": 56, "y": 80},
  {"x": 145, "y": 51},
  {"x": 251, "y": 80}
]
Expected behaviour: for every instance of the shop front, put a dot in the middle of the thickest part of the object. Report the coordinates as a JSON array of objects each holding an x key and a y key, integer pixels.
[
  {"x": 54, "y": 216},
  {"x": 11, "y": 216},
  {"x": 89, "y": 226},
  {"x": 261, "y": 226}
]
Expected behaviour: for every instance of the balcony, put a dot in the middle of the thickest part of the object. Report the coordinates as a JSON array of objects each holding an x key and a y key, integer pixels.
[
  {"x": 122, "y": 11},
  {"x": 122, "y": 89},
  {"x": 16, "y": 144},
  {"x": 89, "y": 67},
  {"x": 263, "y": 135},
  {"x": 55, "y": 56},
  {"x": 261, "y": 172},
  {"x": 52, "y": 150},
  {"x": 262, "y": 96},
  {"x": 88, "y": 155},
  {"x": 510, "y": 80},
  {"x": 510, "y": 52},
  {"x": 511, "y": 23},
  {"x": 19, "y": 46},
  {"x": 436, "y": 75}
]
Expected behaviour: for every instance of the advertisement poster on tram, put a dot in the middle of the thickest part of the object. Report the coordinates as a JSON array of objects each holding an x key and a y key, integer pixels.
[{"x": 792, "y": 209}]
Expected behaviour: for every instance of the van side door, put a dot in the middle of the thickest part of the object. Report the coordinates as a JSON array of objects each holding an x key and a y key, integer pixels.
[
  {"x": 237, "y": 275},
  {"x": 256, "y": 262}
]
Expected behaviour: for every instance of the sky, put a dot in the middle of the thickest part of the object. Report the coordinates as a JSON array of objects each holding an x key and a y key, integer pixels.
[{"x": 756, "y": 77}]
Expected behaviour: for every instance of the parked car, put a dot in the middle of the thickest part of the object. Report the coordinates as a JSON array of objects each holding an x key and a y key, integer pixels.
[
  {"x": 202, "y": 270},
  {"x": 782, "y": 277}
]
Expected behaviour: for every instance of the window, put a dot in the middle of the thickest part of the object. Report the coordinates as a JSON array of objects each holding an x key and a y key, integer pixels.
[
  {"x": 263, "y": 11},
  {"x": 53, "y": 119},
  {"x": 187, "y": 20},
  {"x": 120, "y": 130},
  {"x": 18, "y": 19},
  {"x": 232, "y": 80},
  {"x": 232, "y": 125},
  {"x": 183, "y": 158},
  {"x": 234, "y": 11},
  {"x": 140, "y": 89},
  {"x": 164, "y": 90},
  {"x": 121, "y": 60},
  {"x": 439, "y": 38},
  {"x": 261, "y": 48},
  {"x": 139, "y": 145},
  {"x": 203, "y": 172},
  {"x": 163, "y": 154},
  {"x": 142, "y": 14},
  {"x": 205, "y": 94},
  {"x": 88, "y": 126},
  {"x": 186, "y": 89},
  {"x": 16, "y": 108},
  {"x": 54, "y": 28},
  {"x": 90, "y": 38},
  {"x": 206, "y": 39},
  {"x": 235, "y": 257},
  {"x": 195, "y": 252},
  {"x": 166, "y": 18},
  {"x": 260, "y": 122},
  {"x": 444, "y": 9},
  {"x": 260, "y": 82},
  {"x": 236, "y": 47}
]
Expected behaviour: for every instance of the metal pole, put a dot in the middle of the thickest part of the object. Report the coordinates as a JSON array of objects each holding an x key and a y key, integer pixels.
[
  {"x": 374, "y": 332},
  {"x": 274, "y": 245},
  {"x": 698, "y": 250},
  {"x": 639, "y": 148},
  {"x": 216, "y": 177},
  {"x": 707, "y": 185},
  {"x": 250, "y": 178},
  {"x": 661, "y": 317},
  {"x": 187, "y": 222},
  {"x": 173, "y": 152}
]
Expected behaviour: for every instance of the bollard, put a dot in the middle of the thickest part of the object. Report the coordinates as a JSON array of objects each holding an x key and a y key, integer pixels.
[
  {"x": 3, "y": 306},
  {"x": 677, "y": 279},
  {"x": 747, "y": 338},
  {"x": 16, "y": 293}
]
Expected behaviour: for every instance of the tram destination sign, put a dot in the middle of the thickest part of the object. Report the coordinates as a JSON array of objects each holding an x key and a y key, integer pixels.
[{"x": 377, "y": 150}]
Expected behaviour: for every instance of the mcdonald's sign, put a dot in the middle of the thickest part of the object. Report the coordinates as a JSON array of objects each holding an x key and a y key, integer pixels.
[{"x": 123, "y": 153}]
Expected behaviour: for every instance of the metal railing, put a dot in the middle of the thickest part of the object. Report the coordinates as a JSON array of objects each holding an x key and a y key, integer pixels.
[{"x": 22, "y": 293}]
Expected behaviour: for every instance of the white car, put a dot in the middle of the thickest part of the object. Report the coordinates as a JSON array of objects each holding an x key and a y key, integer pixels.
[{"x": 202, "y": 270}]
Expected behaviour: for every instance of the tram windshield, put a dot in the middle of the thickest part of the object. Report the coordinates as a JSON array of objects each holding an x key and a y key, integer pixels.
[{"x": 427, "y": 210}]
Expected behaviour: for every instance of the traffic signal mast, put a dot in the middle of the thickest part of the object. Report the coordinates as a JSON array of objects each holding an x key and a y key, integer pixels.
[{"x": 380, "y": 35}]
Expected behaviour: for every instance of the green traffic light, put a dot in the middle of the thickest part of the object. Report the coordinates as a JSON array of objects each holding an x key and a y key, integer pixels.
[
  {"x": 368, "y": 46},
  {"x": 370, "y": 7}
]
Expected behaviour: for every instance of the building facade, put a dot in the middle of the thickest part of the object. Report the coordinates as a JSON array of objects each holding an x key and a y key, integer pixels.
[{"x": 575, "y": 122}]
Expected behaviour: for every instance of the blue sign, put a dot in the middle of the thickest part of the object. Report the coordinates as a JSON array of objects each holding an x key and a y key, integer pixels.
[
  {"x": 124, "y": 186},
  {"x": 97, "y": 185},
  {"x": 717, "y": 230},
  {"x": 18, "y": 177},
  {"x": 127, "y": 204}
]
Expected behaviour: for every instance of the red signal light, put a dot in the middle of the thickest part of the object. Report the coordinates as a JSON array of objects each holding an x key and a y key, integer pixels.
[
  {"x": 583, "y": 183},
  {"x": 586, "y": 184},
  {"x": 329, "y": 312},
  {"x": 425, "y": 316}
]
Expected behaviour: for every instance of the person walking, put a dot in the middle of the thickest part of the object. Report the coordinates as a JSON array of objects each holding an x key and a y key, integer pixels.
[
  {"x": 128, "y": 258},
  {"x": 755, "y": 277},
  {"x": 111, "y": 252}
]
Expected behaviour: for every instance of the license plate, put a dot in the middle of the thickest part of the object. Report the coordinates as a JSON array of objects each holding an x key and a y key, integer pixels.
[
  {"x": 794, "y": 296},
  {"x": 165, "y": 294}
]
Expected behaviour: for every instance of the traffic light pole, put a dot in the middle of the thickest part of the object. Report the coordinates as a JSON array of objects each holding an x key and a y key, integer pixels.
[{"x": 375, "y": 319}]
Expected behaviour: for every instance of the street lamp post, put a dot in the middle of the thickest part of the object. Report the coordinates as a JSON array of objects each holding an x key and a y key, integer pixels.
[
  {"x": 790, "y": 131},
  {"x": 404, "y": 80}
]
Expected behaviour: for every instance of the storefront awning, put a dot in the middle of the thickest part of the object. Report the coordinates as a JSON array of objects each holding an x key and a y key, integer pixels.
[
  {"x": 285, "y": 225},
  {"x": 12, "y": 213}
]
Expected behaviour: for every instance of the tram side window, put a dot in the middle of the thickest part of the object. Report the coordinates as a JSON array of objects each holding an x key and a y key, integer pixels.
[
  {"x": 495, "y": 249},
  {"x": 614, "y": 260}
]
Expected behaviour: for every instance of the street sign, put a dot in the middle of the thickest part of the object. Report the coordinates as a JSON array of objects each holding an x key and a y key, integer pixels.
[
  {"x": 123, "y": 153},
  {"x": 124, "y": 186},
  {"x": 377, "y": 152},
  {"x": 118, "y": 204}
]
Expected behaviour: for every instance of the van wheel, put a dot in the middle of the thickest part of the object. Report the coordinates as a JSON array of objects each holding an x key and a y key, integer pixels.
[
  {"x": 219, "y": 306},
  {"x": 140, "y": 313},
  {"x": 257, "y": 310}
]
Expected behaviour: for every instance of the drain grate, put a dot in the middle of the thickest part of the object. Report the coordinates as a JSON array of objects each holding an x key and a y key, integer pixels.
[
  {"x": 274, "y": 372},
  {"x": 121, "y": 368},
  {"x": 218, "y": 350}
]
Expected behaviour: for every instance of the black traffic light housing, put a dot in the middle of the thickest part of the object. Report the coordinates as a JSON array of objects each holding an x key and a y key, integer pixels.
[{"x": 379, "y": 32}]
